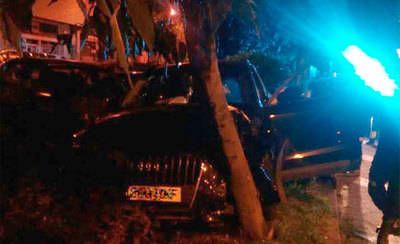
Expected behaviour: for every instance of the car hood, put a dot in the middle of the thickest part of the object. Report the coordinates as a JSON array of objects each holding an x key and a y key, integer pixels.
[{"x": 157, "y": 129}]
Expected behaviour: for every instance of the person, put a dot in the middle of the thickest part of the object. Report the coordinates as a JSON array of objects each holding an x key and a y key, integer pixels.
[{"x": 384, "y": 175}]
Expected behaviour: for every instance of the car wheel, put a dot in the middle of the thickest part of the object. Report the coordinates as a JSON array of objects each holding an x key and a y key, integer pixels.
[{"x": 280, "y": 160}]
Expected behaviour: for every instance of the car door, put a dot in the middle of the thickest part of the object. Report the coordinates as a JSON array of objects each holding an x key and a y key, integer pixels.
[{"x": 321, "y": 128}]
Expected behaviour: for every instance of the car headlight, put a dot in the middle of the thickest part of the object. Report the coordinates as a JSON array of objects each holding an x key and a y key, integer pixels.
[{"x": 211, "y": 183}]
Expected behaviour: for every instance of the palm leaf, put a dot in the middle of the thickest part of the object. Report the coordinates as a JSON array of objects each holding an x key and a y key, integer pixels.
[
  {"x": 116, "y": 37},
  {"x": 20, "y": 12},
  {"x": 15, "y": 16},
  {"x": 142, "y": 20},
  {"x": 11, "y": 32},
  {"x": 246, "y": 11}
]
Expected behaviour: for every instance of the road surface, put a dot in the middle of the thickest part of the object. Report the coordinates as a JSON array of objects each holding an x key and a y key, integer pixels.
[{"x": 355, "y": 205}]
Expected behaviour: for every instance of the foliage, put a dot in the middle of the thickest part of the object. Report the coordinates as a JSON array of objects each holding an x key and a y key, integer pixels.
[
  {"x": 269, "y": 68},
  {"x": 276, "y": 33},
  {"x": 245, "y": 10},
  {"x": 86, "y": 25},
  {"x": 10, "y": 32},
  {"x": 20, "y": 12},
  {"x": 140, "y": 13},
  {"x": 14, "y": 17}
]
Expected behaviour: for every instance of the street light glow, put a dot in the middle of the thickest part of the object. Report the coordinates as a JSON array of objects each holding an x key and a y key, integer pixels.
[
  {"x": 370, "y": 70},
  {"x": 172, "y": 12}
]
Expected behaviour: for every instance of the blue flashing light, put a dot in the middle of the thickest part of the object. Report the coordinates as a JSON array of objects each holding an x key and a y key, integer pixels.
[{"x": 370, "y": 70}]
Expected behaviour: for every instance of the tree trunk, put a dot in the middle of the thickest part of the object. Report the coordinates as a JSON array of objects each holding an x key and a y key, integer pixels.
[{"x": 202, "y": 51}]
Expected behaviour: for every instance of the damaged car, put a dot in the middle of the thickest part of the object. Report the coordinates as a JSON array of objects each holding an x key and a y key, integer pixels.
[{"x": 165, "y": 153}]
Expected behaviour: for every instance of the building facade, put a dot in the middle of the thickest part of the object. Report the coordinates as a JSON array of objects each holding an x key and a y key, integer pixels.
[{"x": 61, "y": 20}]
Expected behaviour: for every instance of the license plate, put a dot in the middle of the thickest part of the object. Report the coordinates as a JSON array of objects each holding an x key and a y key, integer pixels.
[{"x": 154, "y": 193}]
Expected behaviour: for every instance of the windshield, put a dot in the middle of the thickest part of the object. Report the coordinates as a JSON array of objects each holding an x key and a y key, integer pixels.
[
  {"x": 233, "y": 92},
  {"x": 181, "y": 87},
  {"x": 167, "y": 88}
]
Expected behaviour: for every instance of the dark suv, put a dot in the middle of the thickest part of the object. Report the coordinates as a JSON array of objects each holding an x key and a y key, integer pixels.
[
  {"x": 166, "y": 152},
  {"x": 322, "y": 126}
]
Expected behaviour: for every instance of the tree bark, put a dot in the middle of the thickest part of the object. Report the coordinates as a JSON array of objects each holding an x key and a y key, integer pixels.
[{"x": 202, "y": 52}]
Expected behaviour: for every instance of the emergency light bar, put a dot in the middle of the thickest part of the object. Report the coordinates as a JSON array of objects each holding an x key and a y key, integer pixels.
[{"x": 370, "y": 70}]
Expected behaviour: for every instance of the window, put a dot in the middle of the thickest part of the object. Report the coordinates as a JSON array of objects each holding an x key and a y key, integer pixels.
[
  {"x": 232, "y": 90},
  {"x": 31, "y": 41},
  {"x": 177, "y": 86},
  {"x": 48, "y": 28}
]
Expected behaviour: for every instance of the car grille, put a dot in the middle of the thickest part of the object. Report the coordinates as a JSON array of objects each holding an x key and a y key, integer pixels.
[{"x": 169, "y": 170}]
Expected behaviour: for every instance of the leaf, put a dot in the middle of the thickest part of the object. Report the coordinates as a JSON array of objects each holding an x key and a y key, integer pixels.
[
  {"x": 125, "y": 26},
  {"x": 142, "y": 20},
  {"x": 82, "y": 7},
  {"x": 116, "y": 37},
  {"x": 20, "y": 12},
  {"x": 101, "y": 26},
  {"x": 85, "y": 33},
  {"x": 103, "y": 30},
  {"x": 166, "y": 43},
  {"x": 119, "y": 44},
  {"x": 3, "y": 27},
  {"x": 86, "y": 25},
  {"x": 11, "y": 32},
  {"x": 245, "y": 10},
  {"x": 218, "y": 12}
]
